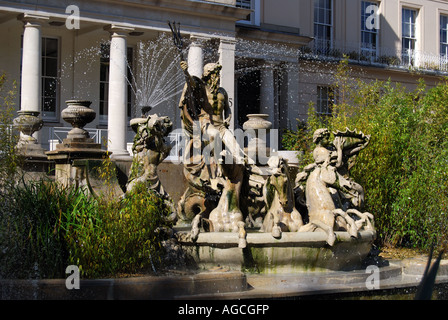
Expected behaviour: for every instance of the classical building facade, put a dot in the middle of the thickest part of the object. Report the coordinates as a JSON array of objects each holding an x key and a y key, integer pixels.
[{"x": 277, "y": 56}]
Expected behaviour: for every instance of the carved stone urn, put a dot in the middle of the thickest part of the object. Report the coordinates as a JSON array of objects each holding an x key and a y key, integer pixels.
[
  {"x": 257, "y": 128},
  {"x": 28, "y": 122},
  {"x": 78, "y": 113}
]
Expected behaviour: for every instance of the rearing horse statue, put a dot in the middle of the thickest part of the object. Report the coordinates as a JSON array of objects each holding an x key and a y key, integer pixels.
[{"x": 281, "y": 214}]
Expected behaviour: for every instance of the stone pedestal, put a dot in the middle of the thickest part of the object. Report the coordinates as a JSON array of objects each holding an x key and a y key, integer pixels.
[
  {"x": 257, "y": 128},
  {"x": 35, "y": 163},
  {"x": 295, "y": 252},
  {"x": 77, "y": 146}
]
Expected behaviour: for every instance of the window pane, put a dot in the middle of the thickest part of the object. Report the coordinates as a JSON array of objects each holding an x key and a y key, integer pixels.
[
  {"x": 321, "y": 16},
  {"x": 49, "y": 87},
  {"x": 51, "y": 67},
  {"x": 328, "y": 19},
  {"x": 444, "y": 50},
  {"x": 49, "y": 105},
  {"x": 408, "y": 23},
  {"x": 51, "y": 47},
  {"x": 103, "y": 108},
  {"x": 322, "y": 20},
  {"x": 443, "y": 35},
  {"x": 50, "y": 83},
  {"x": 104, "y": 71},
  {"x": 104, "y": 91}
]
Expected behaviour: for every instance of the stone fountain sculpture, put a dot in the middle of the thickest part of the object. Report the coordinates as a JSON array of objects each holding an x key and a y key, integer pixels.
[
  {"x": 330, "y": 195},
  {"x": 236, "y": 214},
  {"x": 214, "y": 172},
  {"x": 149, "y": 150}
]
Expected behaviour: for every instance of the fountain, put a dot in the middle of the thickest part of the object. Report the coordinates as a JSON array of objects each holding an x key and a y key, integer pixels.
[
  {"x": 238, "y": 214},
  {"x": 158, "y": 79}
]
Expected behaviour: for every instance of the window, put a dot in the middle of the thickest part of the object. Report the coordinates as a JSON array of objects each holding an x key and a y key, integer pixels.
[
  {"x": 254, "y": 17},
  {"x": 104, "y": 82},
  {"x": 369, "y": 34},
  {"x": 408, "y": 35},
  {"x": 444, "y": 36},
  {"x": 324, "y": 100},
  {"x": 323, "y": 25},
  {"x": 50, "y": 83}
]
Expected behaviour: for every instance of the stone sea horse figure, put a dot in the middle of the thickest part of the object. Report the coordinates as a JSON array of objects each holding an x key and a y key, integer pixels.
[
  {"x": 281, "y": 214},
  {"x": 351, "y": 198},
  {"x": 321, "y": 185}
]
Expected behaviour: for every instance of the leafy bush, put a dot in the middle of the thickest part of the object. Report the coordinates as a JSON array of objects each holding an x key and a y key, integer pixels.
[
  {"x": 404, "y": 170},
  {"x": 9, "y": 160},
  {"x": 32, "y": 239},
  {"x": 45, "y": 227},
  {"x": 121, "y": 236}
]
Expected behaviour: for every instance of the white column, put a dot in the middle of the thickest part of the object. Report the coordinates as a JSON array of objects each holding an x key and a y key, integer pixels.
[
  {"x": 293, "y": 95},
  {"x": 31, "y": 86},
  {"x": 196, "y": 57},
  {"x": 117, "y": 114},
  {"x": 267, "y": 92},
  {"x": 227, "y": 61}
]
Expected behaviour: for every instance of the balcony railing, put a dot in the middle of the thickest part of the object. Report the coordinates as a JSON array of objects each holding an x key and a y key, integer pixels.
[
  {"x": 366, "y": 54},
  {"x": 57, "y": 134}
]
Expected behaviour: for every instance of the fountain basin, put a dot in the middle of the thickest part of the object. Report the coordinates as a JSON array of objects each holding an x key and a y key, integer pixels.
[{"x": 293, "y": 252}]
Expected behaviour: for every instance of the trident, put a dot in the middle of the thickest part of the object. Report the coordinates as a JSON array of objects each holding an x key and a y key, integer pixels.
[
  {"x": 179, "y": 43},
  {"x": 177, "y": 38}
]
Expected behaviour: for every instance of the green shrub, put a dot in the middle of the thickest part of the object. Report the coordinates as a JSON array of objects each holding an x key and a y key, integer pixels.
[
  {"x": 121, "y": 238},
  {"x": 32, "y": 238},
  {"x": 45, "y": 227},
  {"x": 9, "y": 159}
]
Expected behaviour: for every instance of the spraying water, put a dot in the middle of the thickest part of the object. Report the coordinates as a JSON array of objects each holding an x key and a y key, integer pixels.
[{"x": 157, "y": 77}]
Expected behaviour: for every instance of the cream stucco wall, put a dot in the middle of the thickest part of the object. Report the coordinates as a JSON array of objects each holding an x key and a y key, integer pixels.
[
  {"x": 347, "y": 37},
  {"x": 346, "y": 24}
]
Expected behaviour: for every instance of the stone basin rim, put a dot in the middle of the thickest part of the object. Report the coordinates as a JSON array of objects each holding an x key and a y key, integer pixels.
[{"x": 266, "y": 239}]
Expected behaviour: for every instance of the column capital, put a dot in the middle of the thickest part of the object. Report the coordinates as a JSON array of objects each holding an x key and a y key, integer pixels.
[
  {"x": 197, "y": 40},
  {"x": 271, "y": 64},
  {"x": 227, "y": 41},
  {"x": 118, "y": 29},
  {"x": 33, "y": 18}
]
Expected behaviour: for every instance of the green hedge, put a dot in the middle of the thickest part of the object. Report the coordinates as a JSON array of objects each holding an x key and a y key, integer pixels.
[{"x": 45, "y": 227}]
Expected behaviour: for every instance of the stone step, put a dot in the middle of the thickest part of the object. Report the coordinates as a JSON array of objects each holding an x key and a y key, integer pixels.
[{"x": 135, "y": 288}]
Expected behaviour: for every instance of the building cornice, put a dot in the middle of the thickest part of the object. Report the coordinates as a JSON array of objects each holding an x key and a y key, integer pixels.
[
  {"x": 199, "y": 17},
  {"x": 273, "y": 36}
]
